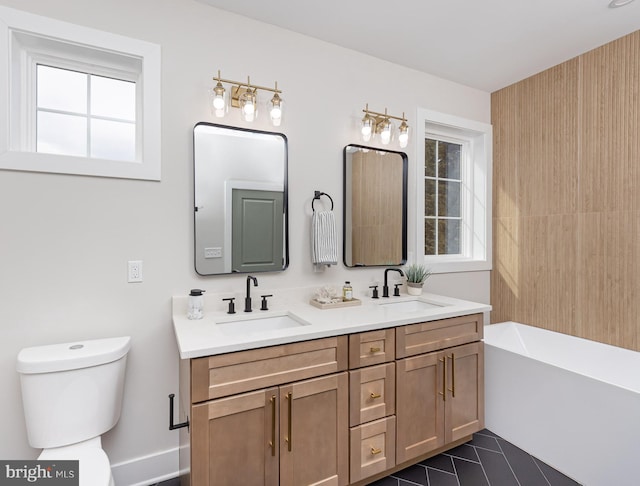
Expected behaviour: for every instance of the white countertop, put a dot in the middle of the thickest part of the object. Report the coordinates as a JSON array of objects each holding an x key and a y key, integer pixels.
[{"x": 213, "y": 335}]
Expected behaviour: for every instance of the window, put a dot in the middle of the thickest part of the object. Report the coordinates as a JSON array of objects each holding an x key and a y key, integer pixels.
[
  {"x": 79, "y": 101},
  {"x": 454, "y": 193},
  {"x": 84, "y": 114},
  {"x": 442, "y": 197}
]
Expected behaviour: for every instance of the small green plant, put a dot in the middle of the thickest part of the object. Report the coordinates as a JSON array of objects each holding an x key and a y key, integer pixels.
[{"x": 417, "y": 273}]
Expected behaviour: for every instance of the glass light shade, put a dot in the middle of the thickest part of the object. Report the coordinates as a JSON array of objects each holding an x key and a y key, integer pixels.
[
  {"x": 219, "y": 104},
  {"x": 248, "y": 105},
  {"x": 366, "y": 130},
  {"x": 403, "y": 134},
  {"x": 275, "y": 110},
  {"x": 385, "y": 132}
]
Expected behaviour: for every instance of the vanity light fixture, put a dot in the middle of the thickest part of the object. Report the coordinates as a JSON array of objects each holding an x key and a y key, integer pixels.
[
  {"x": 374, "y": 123},
  {"x": 245, "y": 97}
]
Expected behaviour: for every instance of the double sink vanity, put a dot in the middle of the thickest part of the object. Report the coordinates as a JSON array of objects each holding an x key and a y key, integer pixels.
[{"x": 297, "y": 395}]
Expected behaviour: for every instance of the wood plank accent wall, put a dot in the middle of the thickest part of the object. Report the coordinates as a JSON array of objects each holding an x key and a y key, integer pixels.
[
  {"x": 376, "y": 208},
  {"x": 566, "y": 199}
]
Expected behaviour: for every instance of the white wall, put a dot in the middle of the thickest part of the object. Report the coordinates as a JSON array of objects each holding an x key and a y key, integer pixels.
[{"x": 65, "y": 240}]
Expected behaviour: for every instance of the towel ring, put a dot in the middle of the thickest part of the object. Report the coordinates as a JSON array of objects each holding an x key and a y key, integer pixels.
[{"x": 316, "y": 195}]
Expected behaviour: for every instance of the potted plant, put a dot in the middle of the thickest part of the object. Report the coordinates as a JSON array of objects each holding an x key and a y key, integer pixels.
[{"x": 416, "y": 274}]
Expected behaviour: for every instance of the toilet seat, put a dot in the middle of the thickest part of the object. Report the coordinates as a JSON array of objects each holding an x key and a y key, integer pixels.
[{"x": 95, "y": 469}]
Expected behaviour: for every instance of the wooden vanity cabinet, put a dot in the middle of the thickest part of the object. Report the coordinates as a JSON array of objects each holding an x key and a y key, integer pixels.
[
  {"x": 292, "y": 434},
  {"x": 335, "y": 411},
  {"x": 439, "y": 395}
]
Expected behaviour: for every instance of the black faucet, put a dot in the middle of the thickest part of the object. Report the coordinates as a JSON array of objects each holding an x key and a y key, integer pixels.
[
  {"x": 385, "y": 288},
  {"x": 247, "y": 299}
]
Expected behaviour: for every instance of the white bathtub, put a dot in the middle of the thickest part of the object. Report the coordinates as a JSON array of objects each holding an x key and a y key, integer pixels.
[{"x": 572, "y": 403}]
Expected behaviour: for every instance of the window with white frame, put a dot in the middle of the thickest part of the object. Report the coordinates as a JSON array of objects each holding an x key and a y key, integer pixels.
[
  {"x": 79, "y": 101},
  {"x": 83, "y": 114},
  {"x": 454, "y": 193}
]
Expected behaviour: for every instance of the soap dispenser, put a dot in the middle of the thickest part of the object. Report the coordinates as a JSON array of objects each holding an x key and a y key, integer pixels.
[
  {"x": 347, "y": 292},
  {"x": 195, "y": 309}
]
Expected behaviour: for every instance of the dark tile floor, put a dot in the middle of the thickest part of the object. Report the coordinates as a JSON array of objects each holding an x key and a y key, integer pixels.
[{"x": 487, "y": 460}]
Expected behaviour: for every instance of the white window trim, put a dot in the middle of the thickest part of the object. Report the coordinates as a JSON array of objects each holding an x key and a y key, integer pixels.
[
  {"x": 476, "y": 138},
  {"x": 15, "y": 153}
]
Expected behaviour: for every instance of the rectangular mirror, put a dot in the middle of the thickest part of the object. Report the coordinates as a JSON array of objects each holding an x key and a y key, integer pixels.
[
  {"x": 375, "y": 207},
  {"x": 240, "y": 200}
]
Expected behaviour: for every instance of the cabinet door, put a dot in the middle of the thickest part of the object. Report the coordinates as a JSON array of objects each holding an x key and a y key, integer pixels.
[
  {"x": 234, "y": 440},
  {"x": 314, "y": 432},
  {"x": 419, "y": 405},
  {"x": 465, "y": 391}
]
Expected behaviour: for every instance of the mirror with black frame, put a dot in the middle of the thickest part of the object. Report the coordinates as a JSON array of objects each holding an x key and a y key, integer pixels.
[
  {"x": 240, "y": 200},
  {"x": 375, "y": 207}
]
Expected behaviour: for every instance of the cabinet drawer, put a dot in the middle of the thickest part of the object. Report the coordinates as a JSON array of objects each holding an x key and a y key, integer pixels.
[
  {"x": 370, "y": 348},
  {"x": 228, "y": 374},
  {"x": 372, "y": 391},
  {"x": 373, "y": 448},
  {"x": 430, "y": 336}
]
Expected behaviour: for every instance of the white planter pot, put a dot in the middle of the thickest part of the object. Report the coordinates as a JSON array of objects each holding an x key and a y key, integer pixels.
[{"x": 414, "y": 288}]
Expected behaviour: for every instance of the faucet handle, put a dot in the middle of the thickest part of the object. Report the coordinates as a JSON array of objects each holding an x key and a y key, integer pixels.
[
  {"x": 264, "y": 301},
  {"x": 232, "y": 305},
  {"x": 396, "y": 290},
  {"x": 375, "y": 291}
]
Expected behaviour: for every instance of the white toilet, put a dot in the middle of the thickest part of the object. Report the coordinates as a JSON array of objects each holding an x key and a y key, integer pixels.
[{"x": 72, "y": 394}]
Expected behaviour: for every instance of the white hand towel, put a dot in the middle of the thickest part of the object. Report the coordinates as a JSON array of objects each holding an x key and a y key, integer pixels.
[{"x": 324, "y": 238}]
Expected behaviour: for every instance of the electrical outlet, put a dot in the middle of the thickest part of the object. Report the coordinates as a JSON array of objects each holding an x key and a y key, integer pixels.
[
  {"x": 213, "y": 252},
  {"x": 134, "y": 273}
]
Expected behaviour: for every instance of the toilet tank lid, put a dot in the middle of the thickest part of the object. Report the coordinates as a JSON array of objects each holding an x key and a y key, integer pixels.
[{"x": 71, "y": 356}]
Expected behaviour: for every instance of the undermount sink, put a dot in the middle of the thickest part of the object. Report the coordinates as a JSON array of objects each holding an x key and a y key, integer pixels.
[
  {"x": 409, "y": 306},
  {"x": 259, "y": 324}
]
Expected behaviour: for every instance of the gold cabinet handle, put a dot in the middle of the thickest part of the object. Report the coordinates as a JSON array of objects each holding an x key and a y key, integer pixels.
[
  {"x": 444, "y": 379},
  {"x": 453, "y": 375},
  {"x": 273, "y": 425},
  {"x": 374, "y": 395},
  {"x": 375, "y": 451},
  {"x": 289, "y": 425},
  {"x": 374, "y": 349}
]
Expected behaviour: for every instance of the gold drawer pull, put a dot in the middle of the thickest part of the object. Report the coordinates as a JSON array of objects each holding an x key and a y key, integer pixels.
[
  {"x": 374, "y": 350},
  {"x": 273, "y": 425},
  {"x": 444, "y": 379},
  {"x": 453, "y": 375},
  {"x": 374, "y": 395},
  {"x": 289, "y": 438},
  {"x": 375, "y": 451}
]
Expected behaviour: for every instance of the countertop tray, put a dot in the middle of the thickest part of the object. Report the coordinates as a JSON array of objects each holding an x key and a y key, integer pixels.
[{"x": 335, "y": 305}]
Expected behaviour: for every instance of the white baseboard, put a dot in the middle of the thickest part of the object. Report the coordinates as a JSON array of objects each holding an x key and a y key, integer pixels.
[{"x": 147, "y": 470}]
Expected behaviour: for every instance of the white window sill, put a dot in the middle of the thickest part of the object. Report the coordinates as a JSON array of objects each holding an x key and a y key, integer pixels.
[{"x": 65, "y": 164}]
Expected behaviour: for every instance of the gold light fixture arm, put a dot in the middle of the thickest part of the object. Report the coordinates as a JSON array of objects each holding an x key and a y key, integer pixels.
[
  {"x": 247, "y": 85},
  {"x": 384, "y": 115}
]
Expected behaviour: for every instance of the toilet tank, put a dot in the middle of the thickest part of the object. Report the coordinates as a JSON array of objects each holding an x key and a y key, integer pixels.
[{"x": 72, "y": 392}]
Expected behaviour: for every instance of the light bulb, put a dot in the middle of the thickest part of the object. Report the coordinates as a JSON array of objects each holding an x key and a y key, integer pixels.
[
  {"x": 403, "y": 139},
  {"x": 219, "y": 102},
  {"x": 367, "y": 127},
  {"x": 248, "y": 103},
  {"x": 403, "y": 136},
  {"x": 275, "y": 111},
  {"x": 385, "y": 133}
]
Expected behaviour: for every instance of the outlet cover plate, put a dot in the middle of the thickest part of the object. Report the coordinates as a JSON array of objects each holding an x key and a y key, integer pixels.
[{"x": 134, "y": 271}]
